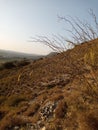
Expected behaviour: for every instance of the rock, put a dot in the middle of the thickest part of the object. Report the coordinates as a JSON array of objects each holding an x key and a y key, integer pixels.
[
  {"x": 44, "y": 128},
  {"x": 61, "y": 80},
  {"x": 47, "y": 110},
  {"x": 16, "y": 128}
]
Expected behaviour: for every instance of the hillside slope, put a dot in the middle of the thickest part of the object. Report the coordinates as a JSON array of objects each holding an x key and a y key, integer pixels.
[{"x": 53, "y": 93}]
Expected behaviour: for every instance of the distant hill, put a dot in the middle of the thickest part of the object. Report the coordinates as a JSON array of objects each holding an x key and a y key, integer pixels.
[
  {"x": 6, "y": 55},
  {"x": 52, "y": 54}
]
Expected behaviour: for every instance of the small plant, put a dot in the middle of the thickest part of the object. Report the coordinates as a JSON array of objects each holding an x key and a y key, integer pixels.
[{"x": 89, "y": 57}]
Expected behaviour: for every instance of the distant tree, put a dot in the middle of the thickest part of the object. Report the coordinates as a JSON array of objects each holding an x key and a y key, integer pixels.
[{"x": 80, "y": 32}]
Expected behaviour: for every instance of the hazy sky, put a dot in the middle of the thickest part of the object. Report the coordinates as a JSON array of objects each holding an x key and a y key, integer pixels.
[{"x": 21, "y": 19}]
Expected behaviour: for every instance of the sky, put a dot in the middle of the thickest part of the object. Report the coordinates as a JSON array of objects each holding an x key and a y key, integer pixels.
[{"x": 22, "y": 19}]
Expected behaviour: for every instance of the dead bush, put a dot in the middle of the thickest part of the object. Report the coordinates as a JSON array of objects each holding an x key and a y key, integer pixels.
[{"x": 80, "y": 31}]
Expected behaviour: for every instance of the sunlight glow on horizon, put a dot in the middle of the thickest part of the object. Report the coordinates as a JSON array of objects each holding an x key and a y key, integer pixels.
[{"x": 21, "y": 19}]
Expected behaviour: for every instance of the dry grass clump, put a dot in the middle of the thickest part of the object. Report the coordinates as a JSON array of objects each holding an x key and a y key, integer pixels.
[
  {"x": 91, "y": 63},
  {"x": 57, "y": 97},
  {"x": 54, "y": 127},
  {"x": 2, "y": 99},
  {"x": 91, "y": 55},
  {"x": 14, "y": 100},
  {"x": 32, "y": 109},
  {"x": 92, "y": 122},
  {"x": 88, "y": 120},
  {"x": 61, "y": 109},
  {"x": 11, "y": 121},
  {"x": 2, "y": 114}
]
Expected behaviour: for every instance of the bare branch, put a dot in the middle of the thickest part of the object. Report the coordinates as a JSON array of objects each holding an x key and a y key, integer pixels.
[{"x": 80, "y": 32}]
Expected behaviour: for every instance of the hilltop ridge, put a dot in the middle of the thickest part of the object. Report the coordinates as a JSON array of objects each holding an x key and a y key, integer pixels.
[
  {"x": 7, "y": 55},
  {"x": 59, "y": 92}
]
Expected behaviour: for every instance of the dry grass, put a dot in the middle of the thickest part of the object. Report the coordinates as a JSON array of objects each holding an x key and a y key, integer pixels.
[
  {"x": 32, "y": 110},
  {"x": 76, "y": 101},
  {"x": 88, "y": 120},
  {"x": 10, "y": 121},
  {"x": 61, "y": 110},
  {"x": 14, "y": 100}
]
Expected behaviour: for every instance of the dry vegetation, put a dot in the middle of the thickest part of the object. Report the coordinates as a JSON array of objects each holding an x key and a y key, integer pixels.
[{"x": 55, "y": 93}]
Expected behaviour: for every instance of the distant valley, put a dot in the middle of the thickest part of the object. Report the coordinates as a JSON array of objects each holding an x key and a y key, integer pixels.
[{"x": 6, "y": 55}]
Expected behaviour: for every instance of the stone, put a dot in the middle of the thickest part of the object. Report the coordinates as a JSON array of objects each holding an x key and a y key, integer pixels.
[
  {"x": 16, "y": 128},
  {"x": 44, "y": 128},
  {"x": 47, "y": 110}
]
